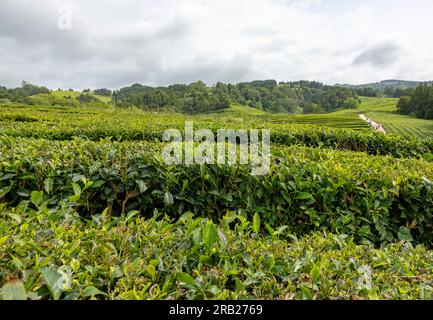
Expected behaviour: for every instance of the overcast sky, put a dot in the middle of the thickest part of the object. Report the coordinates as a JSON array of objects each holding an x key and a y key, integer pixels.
[{"x": 108, "y": 43}]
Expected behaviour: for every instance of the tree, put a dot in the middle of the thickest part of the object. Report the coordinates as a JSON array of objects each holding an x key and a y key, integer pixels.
[
  {"x": 4, "y": 94},
  {"x": 350, "y": 103},
  {"x": 404, "y": 105},
  {"x": 267, "y": 95},
  {"x": 312, "y": 108},
  {"x": 418, "y": 101},
  {"x": 86, "y": 98},
  {"x": 29, "y": 89},
  {"x": 103, "y": 92}
]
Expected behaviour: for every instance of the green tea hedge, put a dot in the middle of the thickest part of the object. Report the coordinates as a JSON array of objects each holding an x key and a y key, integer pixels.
[{"x": 374, "y": 198}]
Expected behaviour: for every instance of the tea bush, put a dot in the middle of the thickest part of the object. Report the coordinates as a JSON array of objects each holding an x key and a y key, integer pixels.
[
  {"x": 94, "y": 124},
  {"x": 88, "y": 210},
  {"x": 375, "y": 199},
  {"x": 56, "y": 254}
]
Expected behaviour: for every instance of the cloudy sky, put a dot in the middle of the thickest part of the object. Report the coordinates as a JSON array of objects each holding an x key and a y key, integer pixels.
[{"x": 108, "y": 43}]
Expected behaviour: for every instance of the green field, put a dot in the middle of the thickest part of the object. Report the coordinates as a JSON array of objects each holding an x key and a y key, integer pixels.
[
  {"x": 212, "y": 159},
  {"x": 89, "y": 210},
  {"x": 381, "y": 110},
  {"x": 404, "y": 125},
  {"x": 384, "y": 111},
  {"x": 377, "y": 104},
  {"x": 67, "y": 98},
  {"x": 334, "y": 120},
  {"x": 346, "y": 118},
  {"x": 74, "y": 94}
]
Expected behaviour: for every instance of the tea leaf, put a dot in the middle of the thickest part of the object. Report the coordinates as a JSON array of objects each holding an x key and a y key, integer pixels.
[
  {"x": 36, "y": 197},
  {"x": 256, "y": 223},
  {"x": 209, "y": 235},
  {"x": 13, "y": 290}
]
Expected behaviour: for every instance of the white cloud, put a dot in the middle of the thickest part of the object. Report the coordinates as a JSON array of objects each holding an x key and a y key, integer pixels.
[{"x": 116, "y": 43}]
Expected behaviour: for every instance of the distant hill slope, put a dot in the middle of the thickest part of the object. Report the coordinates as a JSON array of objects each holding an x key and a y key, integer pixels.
[
  {"x": 401, "y": 84},
  {"x": 70, "y": 99},
  {"x": 238, "y": 110}
]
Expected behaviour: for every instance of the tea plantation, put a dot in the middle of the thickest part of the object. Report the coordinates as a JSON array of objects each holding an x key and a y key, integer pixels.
[{"x": 89, "y": 210}]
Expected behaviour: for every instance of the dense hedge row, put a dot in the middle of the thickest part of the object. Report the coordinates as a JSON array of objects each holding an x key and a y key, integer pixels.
[
  {"x": 123, "y": 126},
  {"x": 371, "y": 143},
  {"x": 55, "y": 254},
  {"x": 376, "y": 198}
]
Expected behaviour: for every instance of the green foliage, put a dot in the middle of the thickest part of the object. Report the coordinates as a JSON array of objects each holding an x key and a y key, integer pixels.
[
  {"x": 56, "y": 99},
  {"x": 404, "y": 105},
  {"x": 389, "y": 88},
  {"x": 350, "y": 103},
  {"x": 22, "y": 94},
  {"x": 307, "y": 189},
  {"x": 403, "y": 125},
  {"x": 191, "y": 99},
  {"x": 88, "y": 210},
  {"x": 256, "y": 223},
  {"x": 87, "y": 98},
  {"x": 311, "y": 97},
  {"x": 53, "y": 281},
  {"x": 69, "y": 99},
  {"x": 13, "y": 290},
  {"x": 36, "y": 197},
  {"x": 94, "y": 124},
  {"x": 419, "y": 102},
  {"x": 55, "y": 254},
  {"x": 103, "y": 92}
]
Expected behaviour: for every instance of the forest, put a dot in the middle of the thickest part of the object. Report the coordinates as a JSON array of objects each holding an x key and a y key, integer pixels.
[
  {"x": 267, "y": 95},
  {"x": 418, "y": 102},
  {"x": 300, "y": 97}
]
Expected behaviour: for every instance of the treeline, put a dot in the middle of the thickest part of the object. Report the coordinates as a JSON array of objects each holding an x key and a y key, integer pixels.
[
  {"x": 22, "y": 94},
  {"x": 390, "y": 92},
  {"x": 267, "y": 95},
  {"x": 387, "y": 88},
  {"x": 37, "y": 95},
  {"x": 290, "y": 97},
  {"x": 101, "y": 92},
  {"x": 418, "y": 102},
  {"x": 72, "y": 100},
  {"x": 193, "y": 98}
]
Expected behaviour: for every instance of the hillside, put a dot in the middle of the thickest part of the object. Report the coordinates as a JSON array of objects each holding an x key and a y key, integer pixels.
[
  {"x": 86, "y": 189},
  {"x": 266, "y": 95},
  {"x": 397, "y": 84}
]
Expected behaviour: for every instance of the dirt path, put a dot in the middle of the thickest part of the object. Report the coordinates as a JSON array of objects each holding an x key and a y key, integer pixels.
[{"x": 376, "y": 126}]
